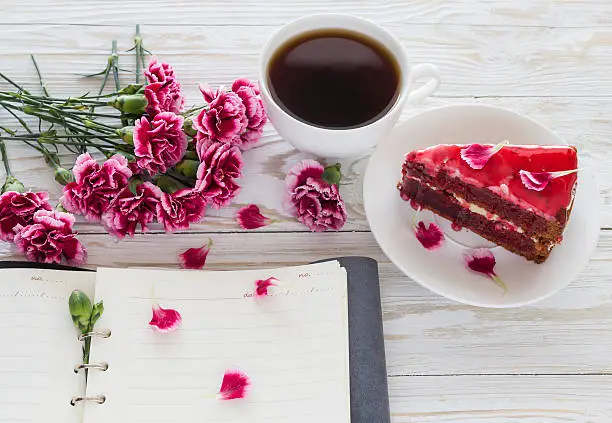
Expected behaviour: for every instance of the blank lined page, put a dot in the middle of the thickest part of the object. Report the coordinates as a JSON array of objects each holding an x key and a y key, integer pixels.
[
  {"x": 293, "y": 345},
  {"x": 39, "y": 346}
]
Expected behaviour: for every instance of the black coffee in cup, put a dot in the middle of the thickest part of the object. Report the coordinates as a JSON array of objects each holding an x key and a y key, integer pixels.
[{"x": 334, "y": 78}]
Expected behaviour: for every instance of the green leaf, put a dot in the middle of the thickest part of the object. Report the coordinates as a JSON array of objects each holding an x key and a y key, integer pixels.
[
  {"x": 97, "y": 311},
  {"x": 332, "y": 174}
]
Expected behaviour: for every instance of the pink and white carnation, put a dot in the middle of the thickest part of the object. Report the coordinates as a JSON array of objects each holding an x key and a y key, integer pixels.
[
  {"x": 18, "y": 209},
  {"x": 315, "y": 202},
  {"x": 130, "y": 210},
  {"x": 178, "y": 210},
  {"x": 164, "y": 97},
  {"x": 159, "y": 142},
  {"x": 96, "y": 185},
  {"x": 50, "y": 238},
  {"x": 256, "y": 115},
  {"x": 224, "y": 119},
  {"x": 221, "y": 164},
  {"x": 159, "y": 71}
]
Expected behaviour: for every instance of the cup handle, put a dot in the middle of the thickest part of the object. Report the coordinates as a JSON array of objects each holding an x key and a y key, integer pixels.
[{"x": 423, "y": 70}]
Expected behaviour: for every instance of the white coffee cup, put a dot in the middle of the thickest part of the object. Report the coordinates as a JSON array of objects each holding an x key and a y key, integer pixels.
[{"x": 340, "y": 143}]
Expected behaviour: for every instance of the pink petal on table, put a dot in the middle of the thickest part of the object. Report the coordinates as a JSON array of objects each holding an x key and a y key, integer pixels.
[
  {"x": 482, "y": 260},
  {"x": 250, "y": 217},
  {"x": 165, "y": 319},
  {"x": 261, "y": 286},
  {"x": 478, "y": 155},
  {"x": 537, "y": 181},
  {"x": 431, "y": 237},
  {"x": 195, "y": 258},
  {"x": 234, "y": 385}
]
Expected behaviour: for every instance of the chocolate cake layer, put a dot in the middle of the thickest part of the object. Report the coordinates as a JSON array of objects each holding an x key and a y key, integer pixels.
[
  {"x": 544, "y": 230},
  {"x": 445, "y": 205}
]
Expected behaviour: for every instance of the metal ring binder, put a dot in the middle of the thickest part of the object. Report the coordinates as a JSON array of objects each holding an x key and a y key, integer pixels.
[
  {"x": 98, "y": 366},
  {"x": 102, "y": 334},
  {"x": 99, "y": 399}
]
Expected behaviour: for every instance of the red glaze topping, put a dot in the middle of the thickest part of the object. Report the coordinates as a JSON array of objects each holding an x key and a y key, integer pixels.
[{"x": 501, "y": 173}]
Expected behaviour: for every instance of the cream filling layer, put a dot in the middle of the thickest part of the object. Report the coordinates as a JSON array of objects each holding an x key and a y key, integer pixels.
[{"x": 474, "y": 208}]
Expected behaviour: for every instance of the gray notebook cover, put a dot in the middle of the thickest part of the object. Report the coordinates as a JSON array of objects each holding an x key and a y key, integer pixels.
[{"x": 368, "y": 369}]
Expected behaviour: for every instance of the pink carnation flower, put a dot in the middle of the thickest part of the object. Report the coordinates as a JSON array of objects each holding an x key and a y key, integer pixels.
[
  {"x": 159, "y": 142},
  {"x": 225, "y": 118},
  {"x": 178, "y": 210},
  {"x": 220, "y": 165},
  {"x": 256, "y": 115},
  {"x": 164, "y": 97},
  {"x": 50, "y": 238},
  {"x": 316, "y": 203},
  {"x": 159, "y": 71},
  {"x": 95, "y": 185},
  {"x": 130, "y": 210},
  {"x": 18, "y": 209}
]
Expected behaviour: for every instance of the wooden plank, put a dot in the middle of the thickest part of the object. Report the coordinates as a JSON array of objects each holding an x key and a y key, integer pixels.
[
  {"x": 425, "y": 333},
  {"x": 277, "y": 12},
  {"x": 473, "y": 60},
  {"x": 501, "y": 399},
  {"x": 583, "y": 122}
]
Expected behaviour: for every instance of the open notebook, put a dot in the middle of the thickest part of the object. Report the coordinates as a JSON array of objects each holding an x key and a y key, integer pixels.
[{"x": 293, "y": 345}]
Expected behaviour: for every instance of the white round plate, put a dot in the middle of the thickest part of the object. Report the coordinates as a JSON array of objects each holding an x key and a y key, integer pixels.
[{"x": 443, "y": 271}]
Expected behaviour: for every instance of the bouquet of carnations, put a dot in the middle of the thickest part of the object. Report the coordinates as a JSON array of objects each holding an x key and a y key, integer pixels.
[{"x": 160, "y": 161}]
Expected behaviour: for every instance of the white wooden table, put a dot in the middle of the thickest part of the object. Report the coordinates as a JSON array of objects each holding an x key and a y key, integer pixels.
[{"x": 549, "y": 59}]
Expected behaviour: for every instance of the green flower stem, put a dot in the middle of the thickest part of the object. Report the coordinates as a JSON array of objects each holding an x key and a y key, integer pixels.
[
  {"x": 77, "y": 123},
  {"x": 138, "y": 51},
  {"x": 40, "y": 78},
  {"x": 5, "y": 160},
  {"x": 115, "y": 65},
  {"x": 57, "y": 142},
  {"x": 7, "y": 79}
]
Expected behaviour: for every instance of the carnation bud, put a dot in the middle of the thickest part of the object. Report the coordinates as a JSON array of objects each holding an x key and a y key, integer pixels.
[
  {"x": 133, "y": 104},
  {"x": 63, "y": 176},
  {"x": 331, "y": 174},
  {"x": 167, "y": 184},
  {"x": 188, "y": 127},
  {"x": 131, "y": 89},
  {"x": 80, "y": 309},
  {"x": 189, "y": 168},
  {"x": 126, "y": 134},
  {"x": 12, "y": 184}
]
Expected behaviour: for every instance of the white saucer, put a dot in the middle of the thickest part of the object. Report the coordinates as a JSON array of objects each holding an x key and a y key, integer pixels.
[{"x": 443, "y": 271}]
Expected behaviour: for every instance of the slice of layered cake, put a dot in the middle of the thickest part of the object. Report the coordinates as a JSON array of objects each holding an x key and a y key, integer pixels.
[{"x": 517, "y": 196}]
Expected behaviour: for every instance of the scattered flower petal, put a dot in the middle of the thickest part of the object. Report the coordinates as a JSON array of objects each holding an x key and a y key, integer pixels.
[
  {"x": 250, "y": 217},
  {"x": 478, "y": 155},
  {"x": 195, "y": 258},
  {"x": 165, "y": 319},
  {"x": 262, "y": 285},
  {"x": 537, "y": 181},
  {"x": 430, "y": 237},
  {"x": 482, "y": 260},
  {"x": 234, "y": 386}
]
